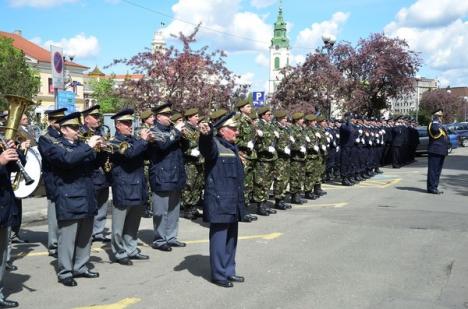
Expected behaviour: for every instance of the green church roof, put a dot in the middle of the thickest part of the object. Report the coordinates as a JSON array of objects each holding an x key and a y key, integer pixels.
[{"x": 280, "y": 40}]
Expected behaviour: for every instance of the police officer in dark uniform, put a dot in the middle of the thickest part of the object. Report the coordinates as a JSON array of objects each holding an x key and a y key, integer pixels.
[
  {"x": 93, "y": 126},
  {"x": 437, "y": 151},
  {"x": 348, "y": 136},
  {"x": 7, "y": 211},
  {"x": 129, "y": 188},
  {"x": 47, "y": 140},
  {"x": 398, "y": 139},
  {"x": 72, "y": 163},
  {"x": 223, "y": 197}
]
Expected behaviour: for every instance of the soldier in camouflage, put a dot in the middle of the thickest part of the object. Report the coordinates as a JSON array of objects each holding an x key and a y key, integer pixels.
[
  {"x": 147, "y": 122},
  {"x": 298, "y": 157},
  {"x": 282, "y": 164},
  {"x": 191, "y": 194},
  {"x": 313, "y": 158},
  {"x": 325, "y": 142},
  {"x": 266, "y": 156}
]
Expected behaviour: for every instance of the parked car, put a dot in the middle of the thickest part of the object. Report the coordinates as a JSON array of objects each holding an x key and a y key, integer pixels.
[
  {"x": 424, "y": 140},
  {"x": 461, "y": 128}
]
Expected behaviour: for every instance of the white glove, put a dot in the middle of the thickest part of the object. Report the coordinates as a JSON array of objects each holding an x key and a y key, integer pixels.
[
  {"x": 328, "y": 140},
  {"x": 307, "y": 139},
  {"x": 292, "y": 139},
  {"x": 276, "y": 134},
  {"x": 360, "y": 131},
  {"x": 363, "y": 141},
  {"x": 358, "y": 140},
  {"x": 327, "y": 133},
  {"x": 316, "y": 148},
  {"x": 318, "y": 135},
  {"x": 367, "y": 133},
  {"x": 337, "y": 135},
  {"x": 260, "y": 133},
  {"x": 337, "y": 148},
  {"x": 195, "y": 152},
  {"x": 370, "y": 143},
  {"x": 303, "y": 149},
  {"x": 271, "y": 149},
  {"x": 250, "y": 145},
  {"x": 324, "y": 148},
  {"x": 372, "y": 134},
  {"x": 287, "y": 150},
  {"x": 334, "y": 143}
]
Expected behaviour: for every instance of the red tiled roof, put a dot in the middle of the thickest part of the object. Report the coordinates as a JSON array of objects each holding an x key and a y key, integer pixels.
[{"x": 33, "y": 50}]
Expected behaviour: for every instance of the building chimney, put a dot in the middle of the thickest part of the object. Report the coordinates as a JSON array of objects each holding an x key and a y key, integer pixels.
[{"x": 18, "y": 32}]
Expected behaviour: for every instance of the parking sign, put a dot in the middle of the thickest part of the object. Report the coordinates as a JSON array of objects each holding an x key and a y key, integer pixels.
[{"x": 258, "y": 98}]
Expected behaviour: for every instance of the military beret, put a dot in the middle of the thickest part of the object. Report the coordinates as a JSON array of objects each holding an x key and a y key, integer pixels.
[
  {"x": 73, "y": 119},
  {"x": 93, "y": 110},
  {"x": 310, "y": 117},
  {"x": 262, "y": 110},
  {"x": 242, "y": 103},
  {"x": 253, "y": 115},
  {"x": 297, "y": 115},
  {"x": 145, "y": 114},
  {"x": 202, "y": 119},
  {"x": 280, "y": 114},
  {"x": 164, "y": 108},
  {"x": 228, "y": 120},
  {"x": 124, "y": 115},
  {"x": 56, "y": 113},
  {"x": 217, "y": 114},
  {"x": 176, "y": 117},
  {"x": 190, "y": 112}
]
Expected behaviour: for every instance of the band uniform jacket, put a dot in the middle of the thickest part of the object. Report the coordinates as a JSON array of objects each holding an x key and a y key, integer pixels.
[
  {"x": 8, "y": 208},
  {"x": 72, "y": 165},
  {"x": 128, "y": 180},
  {"x": 100, "y": 179},
  {"x": 224, "y": 181},
  {"x": 438, "y": 139},
  {"x": 46, "y": 141},
  {"x": 167, "y": 170}
]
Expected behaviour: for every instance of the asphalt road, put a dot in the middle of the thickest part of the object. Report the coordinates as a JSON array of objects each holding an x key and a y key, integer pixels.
[{"x": 383, "y": 244}]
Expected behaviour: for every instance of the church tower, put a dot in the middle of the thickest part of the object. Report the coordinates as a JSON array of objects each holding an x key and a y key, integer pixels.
[
  {"x": 158, "y": 43},
  {"x": 279, "y": 52}
]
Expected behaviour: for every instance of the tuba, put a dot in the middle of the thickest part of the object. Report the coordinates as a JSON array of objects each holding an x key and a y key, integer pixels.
[{"x": 17, "y": 107}]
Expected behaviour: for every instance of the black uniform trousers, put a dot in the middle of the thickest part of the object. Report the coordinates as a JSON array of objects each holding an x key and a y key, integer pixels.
[
  {"x": 434, "y": 169},
  {"x": 223, "y": 244}
]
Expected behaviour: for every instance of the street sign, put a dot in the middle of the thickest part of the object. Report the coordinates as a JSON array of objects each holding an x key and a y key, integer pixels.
[
  {"x": 57, "y": 64},
  {"x": 66, "y": 99},
  {"x": 258, "y": 98}
]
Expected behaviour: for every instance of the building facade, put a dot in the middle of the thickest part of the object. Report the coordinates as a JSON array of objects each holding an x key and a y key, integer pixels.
[
  {"x": 410, "y": 103},
  {"x": 279, "y": 52}
]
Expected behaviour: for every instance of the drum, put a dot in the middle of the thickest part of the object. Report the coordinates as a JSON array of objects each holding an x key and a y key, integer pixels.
[{"x": 33, "y": 168}]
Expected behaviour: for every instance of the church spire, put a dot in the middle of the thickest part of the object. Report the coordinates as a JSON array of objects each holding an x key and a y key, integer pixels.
[{"x": 280, "y": 40}]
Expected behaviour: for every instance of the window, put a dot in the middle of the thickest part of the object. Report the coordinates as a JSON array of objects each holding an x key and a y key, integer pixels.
[
  {"x": 277, "y": 63},
  {"x": 51, "y": 86}
]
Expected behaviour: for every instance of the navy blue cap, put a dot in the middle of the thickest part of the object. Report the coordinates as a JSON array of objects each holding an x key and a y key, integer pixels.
[
  {"x": 93, "y": 110},
  {"x": 55, "y": 113},
  {"x": 125, "y": 114},
  {"x": 70, "y": 119}
]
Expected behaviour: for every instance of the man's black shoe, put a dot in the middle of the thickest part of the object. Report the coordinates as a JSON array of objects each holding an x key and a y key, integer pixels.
[
  {"x": 224, "y": 284},
  {"x": 271, "y": 210},
  {"x": 252, "y": 217},
  {"x": 101, "y": 239},
  {"x": 296, "y": 199},
  {"x": 10, "y": 267},
  {"x": 345, "y": 182},
  {"x": 246, "y": 219},
  {"x": 435, "y": 191},
  {"x": 69, "y": 281},
  {"x": 262, "y": 210},
  {"x": 87, "y": 274},
  {"x": 53, "y": 254},
  {"x": 164, "y": 247},
  {"x": 178, "y": 244},
  {"x": 4, "y": 303},
  {"x": 279, "y": 204},
  {"x": 236, "y": 278},
  {"x": 125, "y": 261},
  {"x": 378, "y": 171}
]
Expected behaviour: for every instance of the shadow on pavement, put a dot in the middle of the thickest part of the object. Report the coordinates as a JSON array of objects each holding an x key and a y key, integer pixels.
[
  {"x": 15, "y": 283},
  {"x": 412, "y": 189},
  {"x": 458, "y": 183},
  {"x": 146, "y": 236},
  {"x": 198, "y": 265}
]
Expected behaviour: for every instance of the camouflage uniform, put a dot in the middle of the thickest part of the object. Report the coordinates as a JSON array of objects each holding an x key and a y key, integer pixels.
[
  {"x": 245, "y": 142},
  {"x": 191, "y": 193},
  {"x": 298, "y": 156},
  {"x": 313, "y": 162},
  {"x": 281, "y": 165},
  {"x": 324, "y": 148}
]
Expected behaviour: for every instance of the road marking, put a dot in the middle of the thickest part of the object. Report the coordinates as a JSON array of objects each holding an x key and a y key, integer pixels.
[
  {"x": 124, "y": 303},
  {"x": 333, "y": 205},
  {"x": 200, "y": 241}
]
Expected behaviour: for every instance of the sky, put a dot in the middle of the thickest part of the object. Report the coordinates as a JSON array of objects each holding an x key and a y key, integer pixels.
[{"x": 97, "y": 31}]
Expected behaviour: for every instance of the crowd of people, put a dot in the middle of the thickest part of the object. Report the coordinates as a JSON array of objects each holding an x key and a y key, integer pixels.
[{"x": 228, "y": 165}]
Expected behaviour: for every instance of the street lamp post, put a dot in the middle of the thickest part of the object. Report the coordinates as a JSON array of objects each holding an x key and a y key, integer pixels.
[{"x": 328, "y": 42}]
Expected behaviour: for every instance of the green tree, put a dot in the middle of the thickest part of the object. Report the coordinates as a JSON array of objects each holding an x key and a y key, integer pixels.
[
  {"x": 105, "y": 95},
  {"x": 16, "y": 76}
]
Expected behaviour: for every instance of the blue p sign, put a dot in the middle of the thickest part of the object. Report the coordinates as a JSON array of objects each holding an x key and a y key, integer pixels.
[{"x": 258, "y": 98}]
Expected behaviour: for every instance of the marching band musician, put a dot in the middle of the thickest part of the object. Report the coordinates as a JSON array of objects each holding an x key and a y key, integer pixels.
[
  {"x": 223, "y": 205},
  {"x": 47, "y": 140},
  {"x": 93, "y": 126},
  {"x": 167, "y": 179},
  {"x": 75, "y": 199},
  {"x": 129, "y": 187},
  {"x": 8, "y": 209}
]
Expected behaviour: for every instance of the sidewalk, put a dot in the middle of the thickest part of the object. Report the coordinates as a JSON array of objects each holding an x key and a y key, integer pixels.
[{"x": 34, "y": 210}]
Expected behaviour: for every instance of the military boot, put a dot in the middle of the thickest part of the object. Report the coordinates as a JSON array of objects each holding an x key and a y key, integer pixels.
[
  {"x": 261, "y": 210},
  {"x": 310, "y": 196},
  {"x": 269, "y": 209},
  {"x": 296, "y": 199},
  {"x": 318, "y": 190},
  {"x": 378, "y": 171},
  {"x": 279, "y": 204},
  {"x": 346, "y": 182}
]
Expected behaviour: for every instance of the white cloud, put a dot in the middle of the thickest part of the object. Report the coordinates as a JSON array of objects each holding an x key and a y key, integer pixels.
[
  {"x": 79, "y": 46},
  {"x": 39, "y": 3},
  {"x": 262, "y": 3},
  {"x": 440, "y": 36},
  {"x": 246, "y": 78},
  {"x": 222, "y": 23},
  {"x": 311, "y": 37},
  {"x": 263, "y": 60}
]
